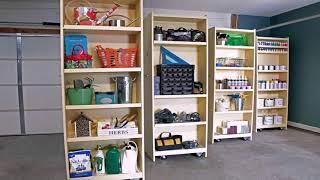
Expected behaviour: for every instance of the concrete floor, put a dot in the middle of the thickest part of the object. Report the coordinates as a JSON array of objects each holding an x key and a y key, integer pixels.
[{"x": 272, "y": 155}]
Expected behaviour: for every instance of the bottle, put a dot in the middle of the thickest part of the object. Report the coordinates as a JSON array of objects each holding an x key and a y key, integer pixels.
[
  {"x": 268, "y": 85},
  {"x": 113, "y": 161},
  {"x": 99, "y": 162},
  {"x": 246, "y": 82}
]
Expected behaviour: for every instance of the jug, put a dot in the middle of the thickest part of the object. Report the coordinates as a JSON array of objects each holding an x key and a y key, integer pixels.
[
  {"x": 124, "y": 86},
  {"x": 99, "y": 161},
  {"x": 129, "y": 155},
  {"x": 221, "y": 105},
  {"x": 113, "y": 160}
]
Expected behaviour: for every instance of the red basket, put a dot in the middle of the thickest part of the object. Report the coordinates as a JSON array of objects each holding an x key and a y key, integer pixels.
[{"x": 117, "y": 58}]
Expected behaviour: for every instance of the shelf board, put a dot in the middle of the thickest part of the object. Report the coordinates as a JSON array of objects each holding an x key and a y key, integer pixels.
[
  {"x": 178, "y": 18},
  {"x": 235, "y": 68},
  {"x": 103, "y": 138},
  {"x": 272, "y": 38},
  {"x": 234, "y": 90},
  {"x": 182, "y": 43},
  {"x": 272, "y": 90},
  {"x": 235, "y": 112},
  {"x": 180, "y": 96},
  {"x": 138, "y": 175},
  {"x": 235, "y": 47},
  {"x": 101, "y": 70},
  {"x": 279, "y": 107},
  {"x": 266, "y": 52},
  {"x": 273, "y": 71},
  {"x": 229, "y": 136},
  {"x": 180, "y": 151},
  {"x": 270, "y": 126},
  {"x": 218, "y": 29},
  {"x": 84, "y": 28},
  {"x": 103, "y": 106},
  {"x": 278, "y": 47},
  {"x": 180, "y": 124}
]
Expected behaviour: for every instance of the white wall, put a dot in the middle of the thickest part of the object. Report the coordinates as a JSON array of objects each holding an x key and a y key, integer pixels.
[{"x": 41, "y": 73}]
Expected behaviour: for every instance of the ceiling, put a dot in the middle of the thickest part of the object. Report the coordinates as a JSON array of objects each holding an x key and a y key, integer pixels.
[{"x": 244, "y": 7}]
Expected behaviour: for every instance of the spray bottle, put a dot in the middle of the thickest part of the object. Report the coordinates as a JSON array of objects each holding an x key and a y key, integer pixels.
[{"x": 99, "y": 159}]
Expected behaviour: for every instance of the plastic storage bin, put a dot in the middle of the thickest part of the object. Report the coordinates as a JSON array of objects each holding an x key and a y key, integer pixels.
[{"x": 80, "y": 96}]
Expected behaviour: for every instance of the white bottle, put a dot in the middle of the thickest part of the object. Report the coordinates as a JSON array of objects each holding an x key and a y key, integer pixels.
[{"x": 100, "y": 162}]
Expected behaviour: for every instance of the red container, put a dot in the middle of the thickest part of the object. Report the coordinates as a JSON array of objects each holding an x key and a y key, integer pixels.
[{"x": 117, "y": 58}]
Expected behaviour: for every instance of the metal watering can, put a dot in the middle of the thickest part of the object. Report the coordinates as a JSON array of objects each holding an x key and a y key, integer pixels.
[
  {"x": 238, "y": 101},
  {"x": 129, "y": 156}
]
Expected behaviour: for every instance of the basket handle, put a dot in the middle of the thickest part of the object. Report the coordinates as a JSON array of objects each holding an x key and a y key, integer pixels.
[
  {"x": 74, "y": 48},
  {"x": 169, "y": 133}
]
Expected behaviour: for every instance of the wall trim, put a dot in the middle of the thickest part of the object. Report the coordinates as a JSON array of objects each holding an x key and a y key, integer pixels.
[{"x": 303, "y": 126}]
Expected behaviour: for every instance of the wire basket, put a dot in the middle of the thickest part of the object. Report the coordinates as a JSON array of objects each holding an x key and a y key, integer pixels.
[
  {"x": 230, "y": 62},
  {"x": 117, "y": 58}
]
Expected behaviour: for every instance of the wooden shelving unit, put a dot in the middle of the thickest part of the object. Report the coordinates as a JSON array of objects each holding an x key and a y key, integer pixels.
[
  {"x": 112, "y": 37},
  {"x": 219, "y": 73},
  {"x": 272, "y": 58},
  {"x": 195, "y": 53}
]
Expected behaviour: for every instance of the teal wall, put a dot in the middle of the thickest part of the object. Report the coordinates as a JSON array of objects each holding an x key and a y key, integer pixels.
[
  {"x": 304, "y": 96},
  {"x": 254, "y": 22}
]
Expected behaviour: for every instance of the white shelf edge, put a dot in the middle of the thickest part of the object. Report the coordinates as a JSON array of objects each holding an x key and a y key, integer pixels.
[
  {"x": 274, "y": 71},
  {"x": 103, "y": 138},
  {"x": 137, "y": 175},
  {"x": 265, "y": 108},
  {"x": 263, "y": 52},
  {"x": 272, "y": 90},
  {"x": 180, "y": 151},
  {"x": 235, "y": 47},
  {"x": 101, "y": 70},
  {"x": 182, "y": 43},
  {"x": 236, "y": 68},
  {"x": 275, "y": 47},
  {"x": 271, "y": 126},
  {"x": 180, "y": 96},
  {"x": 105, "y": 106},
  {"x": 235, "y": 112},
  {"x": 180, "y": 124},
  {"x": 234, "y": 90},
  {"x": 230, "y": 136},
  {"x": 101, "y": 28}
]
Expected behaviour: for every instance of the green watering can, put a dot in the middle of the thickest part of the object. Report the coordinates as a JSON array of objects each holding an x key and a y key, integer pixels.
[{"x": 113, "y": 161}]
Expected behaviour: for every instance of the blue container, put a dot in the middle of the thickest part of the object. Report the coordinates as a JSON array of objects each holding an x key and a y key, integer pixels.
[{"x": 106, "y": 98}]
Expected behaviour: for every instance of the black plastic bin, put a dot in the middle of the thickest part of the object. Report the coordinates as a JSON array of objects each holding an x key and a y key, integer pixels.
[{"x": 176, "y": 79}]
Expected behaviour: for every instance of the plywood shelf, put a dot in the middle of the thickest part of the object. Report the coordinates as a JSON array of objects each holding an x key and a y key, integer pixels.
[
  {"x": 231, "y": 136},
  {"x": 235, "y": 68},
  {"x": 101, "y": 70},
  {"x": 180, "y": 43},
  {"x": 103, "y": 138},
  {"x": 112, "y": 177},
  {"x": 266, "y": 108},
  {"x": 180, "y": 124},
  {"x": 180, "y": 151},
  {"x": 272, "y": 58},
  {"x": 180, "y": 96},
  {"x": 103, "y": 106},
  {"x": 235, "y": 47},
  {"x": 235, "y": 112},
  {"x": 247, "y": 53},
  {"x": 195, "y": 53},
  {"x": 93, "y": 29}
]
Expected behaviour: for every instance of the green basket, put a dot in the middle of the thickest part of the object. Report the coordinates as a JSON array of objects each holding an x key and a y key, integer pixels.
[
  {"x": 80, "y": 96},
  {"x": 237, "y": 40}
]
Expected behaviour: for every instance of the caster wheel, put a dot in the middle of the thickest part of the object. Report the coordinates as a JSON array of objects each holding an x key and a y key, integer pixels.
[
  {"x": 260, "y": 130},
  {"x": 282, "y": 128},
  {"x": 163, "y": 157},
  {"x": 246, "y": 138},
  {"x": 217, "y": 140},
  {"x": 199, "y": 155}
]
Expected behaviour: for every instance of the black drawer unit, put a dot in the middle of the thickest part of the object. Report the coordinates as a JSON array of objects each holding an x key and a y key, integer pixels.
[{"x": 176, "y": 79}]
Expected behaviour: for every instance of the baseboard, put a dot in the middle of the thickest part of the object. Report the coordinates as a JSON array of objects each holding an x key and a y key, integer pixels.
[{"x": 303, "y": 126}]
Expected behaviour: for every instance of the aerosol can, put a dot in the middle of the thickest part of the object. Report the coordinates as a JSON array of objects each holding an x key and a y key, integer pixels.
[{"x": 99, "y": 161}]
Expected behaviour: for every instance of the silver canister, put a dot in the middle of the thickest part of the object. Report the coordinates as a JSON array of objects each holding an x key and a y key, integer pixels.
[
  {"x": 158, "y": 37},
  {"x": 124, "y": 85},
  {"x": 238, "y": 103}
]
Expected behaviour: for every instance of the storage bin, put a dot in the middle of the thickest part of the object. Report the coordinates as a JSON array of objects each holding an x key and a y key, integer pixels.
[
  {"x": 117, "y": 58},
  {"x": 268, "y": 120},
  {"x": 237, "y": 40},
  {"x": 80, "y": 96},
  {"x": 176, "y": 79},
  {"x": 106, "y": 98}
]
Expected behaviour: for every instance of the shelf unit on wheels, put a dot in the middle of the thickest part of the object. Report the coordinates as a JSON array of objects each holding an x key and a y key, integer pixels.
[
  {"x": 194, "y": 53},
  {"x": 107, "y": 37},
  {"x": 227, "y": 71},
  {"x": 272, "y": 64}
]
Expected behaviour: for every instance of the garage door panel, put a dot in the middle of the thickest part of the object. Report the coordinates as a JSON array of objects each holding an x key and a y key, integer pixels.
[
  {"x": 41, "y": 72},
  {"x": 8, "y": 49},
  {"x": 10, "y": 123},
  {"x": 41, "y": 47},
  {"x": 8, "y": 72},
  {"x": 43, "y": 122},
  {"x": 42, "y": 97},
  {"x": 9, "y": 98}
]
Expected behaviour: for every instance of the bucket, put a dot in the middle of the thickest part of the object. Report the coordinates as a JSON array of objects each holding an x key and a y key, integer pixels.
[
  {"x": 238, "y": 103},
  {"x": 80, "y": 96},
  {"x": 124, "y": 86}
]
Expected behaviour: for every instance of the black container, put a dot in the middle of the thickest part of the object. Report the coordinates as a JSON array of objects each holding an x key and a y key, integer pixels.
[{"x": 176, "y": 79}]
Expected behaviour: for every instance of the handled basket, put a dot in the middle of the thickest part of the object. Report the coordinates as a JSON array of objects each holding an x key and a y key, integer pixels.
[
  {"x": 80, "y": 59},
  {"x": 117, "y": 58}
]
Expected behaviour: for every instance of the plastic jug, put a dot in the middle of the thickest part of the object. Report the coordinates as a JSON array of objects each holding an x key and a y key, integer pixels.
[
  {"x": 113, "y": 161},
  {"x": 99, "y": 162},
  {"x": 129, "y": 155}
]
